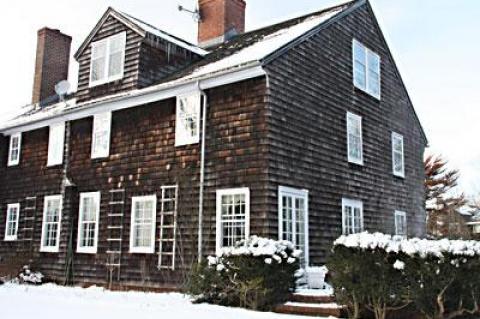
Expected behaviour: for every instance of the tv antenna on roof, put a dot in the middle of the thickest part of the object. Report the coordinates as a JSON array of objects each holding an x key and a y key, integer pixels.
[{"x": 195, "y": 13}]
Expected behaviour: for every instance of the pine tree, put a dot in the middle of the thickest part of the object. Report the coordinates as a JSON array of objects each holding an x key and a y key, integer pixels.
[{"x": 443, "y": 204}]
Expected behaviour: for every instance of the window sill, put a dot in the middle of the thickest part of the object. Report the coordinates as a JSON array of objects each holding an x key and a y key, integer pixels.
[
  {"x": 148, "y": 251},
  {"x": 356, "y": 163},
  {"x": 87, "y": 251},
  {"x": 10, "y": 239},
  {"x": 399, "y": 176},
  {"x": 376, "y": 97},
  {"x": 52, "y": 250},
  {"x": 95, "y": 84}
]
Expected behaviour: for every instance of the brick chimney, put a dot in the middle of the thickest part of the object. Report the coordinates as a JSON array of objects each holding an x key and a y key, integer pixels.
[
  {"x": 51, "y": 66},
  {"x": 220, "y": 21}
]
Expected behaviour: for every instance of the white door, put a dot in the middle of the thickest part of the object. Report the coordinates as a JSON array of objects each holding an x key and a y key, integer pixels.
[{"x": 293, "y": 219}]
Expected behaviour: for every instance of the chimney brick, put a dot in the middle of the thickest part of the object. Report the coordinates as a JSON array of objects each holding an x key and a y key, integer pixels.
[
  {"x": 220, "y": 20},
  {"x": 51, "y": 66}
]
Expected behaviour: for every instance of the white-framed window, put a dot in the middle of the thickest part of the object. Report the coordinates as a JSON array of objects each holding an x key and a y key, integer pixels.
[
  {"x": 293, "y": 219},
  {"x": 11, "y": 227},
  {"x": 354, "y": 139},
  {"x": 187, "y": 128},
  {"x": 398, "y": 158},
  {"x": 88, "y": 223},
  {"x": 56, "y": 139},
  {"x": 14, "y": 149},
  {"x": 107, "y": 59},
  {"x": 52, "y": 218},
  {"x": 102, "y": 124},
  {"x": 400, "y": 223},
  {"x": 366, "y": 69},
  {"x": 142, "y": 227},
  {"x": 233, "y": 216},
  {"x": 476, "y": 229},
  {"x": 352, "y": 216}
]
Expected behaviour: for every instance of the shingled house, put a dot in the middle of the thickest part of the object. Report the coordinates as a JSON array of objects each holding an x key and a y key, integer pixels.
[{"x": 168, "y": 151}]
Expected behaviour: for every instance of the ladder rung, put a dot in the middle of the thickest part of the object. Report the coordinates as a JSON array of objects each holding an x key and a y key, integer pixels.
[
  {"x": 30, "y": 198},
  {"x": 115, "y": 227},
  {"x": 167, "y": 226},
  {"x": 30, "y": 208},
  {"x": 165, "y": 253},
  {"x": 113, "y": 265},
  {"x": 29, "y": 218},
  {"x": 114, "y": 239},
  {"x": 27, "y": 229},
  {"x": 166, "y": 267},
  {"x": 120, "y": 190},
  {"x": 117, "y": 252},
  {"x": 115, "y": 215},
  {"x": 168, "y": 213},
  {"x": 26, "y": 239},
  {"x": 166, "y": 240},
  {"x": 116, "y": 203}
]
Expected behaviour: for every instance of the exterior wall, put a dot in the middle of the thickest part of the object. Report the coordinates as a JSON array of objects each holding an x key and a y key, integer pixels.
[
  {"x": 143, "y": 157},
  {"x": 311, "y": 89}
]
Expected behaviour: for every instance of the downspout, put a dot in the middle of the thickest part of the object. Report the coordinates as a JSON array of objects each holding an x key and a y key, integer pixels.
[{"x": 202, "y": 173}]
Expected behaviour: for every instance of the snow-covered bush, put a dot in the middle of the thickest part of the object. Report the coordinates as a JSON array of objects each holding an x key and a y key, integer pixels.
[
  {"x": 441, "y": 278},
  {"x": 27, "y": 276},
  {"x": 257, "y": 273}
]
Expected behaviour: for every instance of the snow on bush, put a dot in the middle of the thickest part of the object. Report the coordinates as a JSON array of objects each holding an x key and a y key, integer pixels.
[
  {"x": 257, "y": 273},
  {"x": 30, "y": 277},
  {"x": 412, "y": 247}
]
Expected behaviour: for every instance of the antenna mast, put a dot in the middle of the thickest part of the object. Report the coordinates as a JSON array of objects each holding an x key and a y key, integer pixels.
[{"x": 195, "y": 13}]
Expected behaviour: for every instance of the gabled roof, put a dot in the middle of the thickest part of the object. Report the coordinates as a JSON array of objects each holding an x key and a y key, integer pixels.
[{"x": 142, "y": 28}]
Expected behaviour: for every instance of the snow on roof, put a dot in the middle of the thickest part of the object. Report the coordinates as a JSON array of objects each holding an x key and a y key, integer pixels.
[
  {"x": 248, "y": 50},
  {"x": 164, "y": 35}
]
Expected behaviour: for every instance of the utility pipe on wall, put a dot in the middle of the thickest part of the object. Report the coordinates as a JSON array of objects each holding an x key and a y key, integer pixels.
[{"x": 202, "y": 173}]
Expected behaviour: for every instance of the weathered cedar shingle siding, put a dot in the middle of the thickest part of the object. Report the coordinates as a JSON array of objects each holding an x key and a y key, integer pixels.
[
  {"x": 143, "y": 157},
  {"x": 311, "y": 90}
]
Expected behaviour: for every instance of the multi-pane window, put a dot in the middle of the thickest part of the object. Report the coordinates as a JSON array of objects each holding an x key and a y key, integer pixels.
[
  {"x": 366, "y": 69},
  {"x": 52, "y": 216},
  {"x": 354, "y": 139},
  {"x": 187, "y": 130},
  {"x": 56, "y": 140},
  {"x": 14, "y": 149},
  {"x": 352, "y": 216},
  {"x": 233, "y": 216},
  {"x": 107, "y": 59},
  {"x": 102, "y": 124},
  {"x": 293, "y": 218},
  {"x": 142, "y": 232},
  {"x": 400, "y": 224},
  {"x": 398, "y": 159},
  {"x": 11, "y": 228},
  {"x": 88, "y": 220}
]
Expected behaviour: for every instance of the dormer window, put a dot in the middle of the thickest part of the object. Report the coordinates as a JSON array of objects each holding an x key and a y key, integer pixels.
[
  {"x": 187, "y": 130},
  {"x": 107, "y": 59}
]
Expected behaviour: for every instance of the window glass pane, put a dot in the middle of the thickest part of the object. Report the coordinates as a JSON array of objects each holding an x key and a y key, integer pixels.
[
  {"x": 354, "y": 129},
  {"x": 188, "y": 113},
  {"x": 115, "y": 64},
  {"x": 359, "y": 65}
]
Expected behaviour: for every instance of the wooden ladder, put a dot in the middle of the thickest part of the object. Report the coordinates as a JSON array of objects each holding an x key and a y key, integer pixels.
[
  {"x": 28, "y": 223},
  {"x": 116, "y": 214},
  {"x": 168, "y": 228}
]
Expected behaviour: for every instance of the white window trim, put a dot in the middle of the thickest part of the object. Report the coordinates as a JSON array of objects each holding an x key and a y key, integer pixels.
[
  {"x": 96, "y": 151},
  {"x": 56, "y": 141},
  {"x": 404, "y": 215},
  {"x": 225, "y": 192},
  {"x": 108, "y": 78},
  {"x": 367, "y": 52},
  {"x": 54, "y": 249},
  {"x": 355, "y": 204},
  {"x": 9, "y": 207},
  {"x": 17, "y": 161},
  {"x": 143, "y": 250},
  {"x": 96, "y": 197},
  {"x": 181, "y": 140},
  {"x": 398, "y": 173},
  {"x": 350, "y": 159},
  {"x": 302, "y": 193}
]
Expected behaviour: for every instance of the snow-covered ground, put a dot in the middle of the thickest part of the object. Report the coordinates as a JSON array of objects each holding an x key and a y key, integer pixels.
[{"x": 52, "y": 302}]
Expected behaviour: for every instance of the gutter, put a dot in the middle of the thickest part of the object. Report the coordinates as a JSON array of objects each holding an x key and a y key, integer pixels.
[{"x": 145, "y": 96}]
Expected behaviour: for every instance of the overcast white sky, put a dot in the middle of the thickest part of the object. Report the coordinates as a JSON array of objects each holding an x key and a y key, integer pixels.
[{"x": 435, "y": 43}]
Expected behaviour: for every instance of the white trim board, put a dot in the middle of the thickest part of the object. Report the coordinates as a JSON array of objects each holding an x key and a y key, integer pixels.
[{"x": 139, "y": 97}]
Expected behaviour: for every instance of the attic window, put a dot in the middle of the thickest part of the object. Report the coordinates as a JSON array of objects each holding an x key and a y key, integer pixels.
[
  {"x": 14, "y": 150},
  {"x": 366, "y": 69},
  {"x": 108, "y": 59}
]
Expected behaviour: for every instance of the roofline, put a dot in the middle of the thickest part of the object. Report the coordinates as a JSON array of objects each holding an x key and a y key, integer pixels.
[
  {"x": 141, "y": 97},
  {"x": 354, "y": 5},
  {"x": 110, "y": 12}
]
